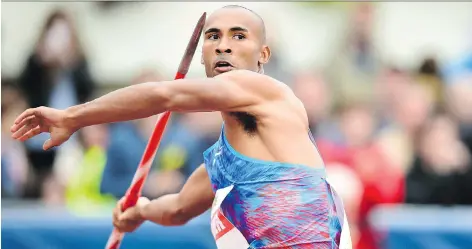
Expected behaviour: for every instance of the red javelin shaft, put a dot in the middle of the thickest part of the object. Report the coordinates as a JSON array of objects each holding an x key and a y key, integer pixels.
[{"x": 134, "y": 191}]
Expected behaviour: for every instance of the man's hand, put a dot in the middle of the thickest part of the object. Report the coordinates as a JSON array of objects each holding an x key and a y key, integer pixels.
[
  {"x": 43, "y": 119},
  {"x": 131, "y": 219}
]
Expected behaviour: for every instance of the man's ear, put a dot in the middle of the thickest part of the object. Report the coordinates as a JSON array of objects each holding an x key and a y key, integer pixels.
[{"x": 265, "y": 55}]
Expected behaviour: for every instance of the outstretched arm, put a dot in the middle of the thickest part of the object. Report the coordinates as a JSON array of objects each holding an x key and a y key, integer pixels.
[
  {"x": 238, "y": 90},
  {"x": 231, "y": 91},
  {"x": 177, "y": 209}
]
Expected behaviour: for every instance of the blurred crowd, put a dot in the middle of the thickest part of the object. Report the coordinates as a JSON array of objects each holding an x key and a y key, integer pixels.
[{"x": 388, "y": 135}]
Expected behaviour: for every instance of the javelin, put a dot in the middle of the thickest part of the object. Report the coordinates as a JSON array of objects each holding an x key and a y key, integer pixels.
[{"x": 134, "y": 191}]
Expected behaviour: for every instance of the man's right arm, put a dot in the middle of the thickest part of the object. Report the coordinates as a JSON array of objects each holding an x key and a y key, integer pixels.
[{"x": 177, "y": 209}]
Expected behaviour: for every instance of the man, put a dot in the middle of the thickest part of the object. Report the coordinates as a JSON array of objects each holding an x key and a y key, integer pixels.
[{"x": 264, "y": 175}]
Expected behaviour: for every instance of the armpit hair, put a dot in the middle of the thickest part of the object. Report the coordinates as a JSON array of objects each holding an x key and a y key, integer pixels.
[{"x": 247, "y": 121}]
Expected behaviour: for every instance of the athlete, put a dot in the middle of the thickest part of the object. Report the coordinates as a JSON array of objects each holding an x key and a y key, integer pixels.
[{"x": 264, "y": 179}]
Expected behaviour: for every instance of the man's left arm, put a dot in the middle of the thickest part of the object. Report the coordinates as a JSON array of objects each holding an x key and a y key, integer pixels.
[{"x": 232, "y": 91}]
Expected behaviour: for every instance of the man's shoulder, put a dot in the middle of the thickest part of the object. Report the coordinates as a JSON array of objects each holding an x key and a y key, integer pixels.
[
  {"x": 257, "y": 82},
  {"x": 243, "y": 75}
]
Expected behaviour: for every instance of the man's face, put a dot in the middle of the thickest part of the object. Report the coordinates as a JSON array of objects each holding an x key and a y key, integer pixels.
[{"x": 232, "y": 40}]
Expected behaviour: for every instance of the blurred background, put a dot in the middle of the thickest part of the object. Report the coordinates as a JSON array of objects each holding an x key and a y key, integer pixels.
[{"x": 387, "y": 87}]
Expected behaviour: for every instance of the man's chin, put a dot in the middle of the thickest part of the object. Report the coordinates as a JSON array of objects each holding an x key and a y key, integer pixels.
[{"x": 221, "y": 70}]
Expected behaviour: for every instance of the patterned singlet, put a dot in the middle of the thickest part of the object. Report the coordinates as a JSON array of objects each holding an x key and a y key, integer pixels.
[{"x": 261, "y": 204}]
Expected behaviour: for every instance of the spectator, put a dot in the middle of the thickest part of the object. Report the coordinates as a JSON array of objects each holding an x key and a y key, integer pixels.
[
  {"x": 410, "y": 107},
  {"x": 56, "y": 75},
  {"x": 442, "y": 170}
]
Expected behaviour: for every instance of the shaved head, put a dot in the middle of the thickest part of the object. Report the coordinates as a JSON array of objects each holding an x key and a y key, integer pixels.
[
  {"x": 236, "y": 36},
  {"x": 263, "y": 29}
]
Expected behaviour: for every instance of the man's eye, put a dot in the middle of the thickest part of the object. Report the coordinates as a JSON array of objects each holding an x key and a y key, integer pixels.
[
  {"x": 239, "y": 36},
  {"x": 213, "y": 37}
]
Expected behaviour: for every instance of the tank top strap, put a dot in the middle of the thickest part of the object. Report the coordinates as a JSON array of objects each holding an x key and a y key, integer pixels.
[{"x": 222, "y": 130}]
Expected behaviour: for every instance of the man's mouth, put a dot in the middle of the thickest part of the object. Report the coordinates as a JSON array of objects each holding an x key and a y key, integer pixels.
[{"x": 223, "y": 66}]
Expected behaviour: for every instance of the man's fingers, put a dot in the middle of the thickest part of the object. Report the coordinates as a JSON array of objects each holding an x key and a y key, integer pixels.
[
  {"x": 117, "y": 225},
  {"x": 28, "y": 120},
  {"x": 116, "y": 213},
  {"x": 116, "y": 216},
  {"x": 22, "y": 131},
  {"x": 31, "y": 133},
  {"x": 129, "y": 214},
  {"x": 124, "y": 221},
  {"x": 25, "y": 114}
]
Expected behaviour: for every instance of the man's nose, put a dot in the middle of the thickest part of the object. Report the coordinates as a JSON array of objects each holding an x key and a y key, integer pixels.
[
  {"x": 223, "y": 47},
  {"x": 227, "y": 51}
]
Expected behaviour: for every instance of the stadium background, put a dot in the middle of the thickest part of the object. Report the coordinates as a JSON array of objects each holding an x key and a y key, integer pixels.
[{"x": 388, "y": 88}]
